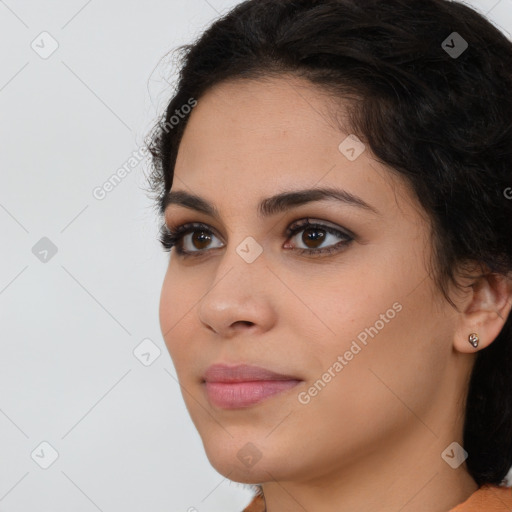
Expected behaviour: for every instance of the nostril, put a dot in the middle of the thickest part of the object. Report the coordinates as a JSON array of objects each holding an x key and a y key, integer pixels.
[{"x": 244, "y": 322}]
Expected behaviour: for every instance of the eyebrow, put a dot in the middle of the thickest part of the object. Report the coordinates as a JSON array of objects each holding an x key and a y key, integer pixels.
[{"x": 271, "y": 205}]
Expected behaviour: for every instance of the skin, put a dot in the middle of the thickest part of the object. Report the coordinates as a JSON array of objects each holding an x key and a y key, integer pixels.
[{"x": 372, "y": 438}]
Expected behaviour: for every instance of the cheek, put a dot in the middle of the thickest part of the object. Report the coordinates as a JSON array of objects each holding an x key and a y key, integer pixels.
[
  {"x": 371, "y": 398},
  {"x": 381, "y": 324},
  {"x": 391, "y": 359},
  {"x": 165, "y": 310},
  {"x": 174, "y": 312}
]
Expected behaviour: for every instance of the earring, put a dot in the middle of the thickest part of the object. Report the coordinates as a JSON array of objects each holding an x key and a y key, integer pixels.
[{"x": 474, "y": 339}]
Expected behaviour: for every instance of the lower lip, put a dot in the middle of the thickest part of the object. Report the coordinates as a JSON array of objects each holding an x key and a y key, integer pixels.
[{"x": 234, "y": 395}]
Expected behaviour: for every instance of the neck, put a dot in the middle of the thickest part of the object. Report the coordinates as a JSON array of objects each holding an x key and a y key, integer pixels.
[{"x": 408, "y": 476}]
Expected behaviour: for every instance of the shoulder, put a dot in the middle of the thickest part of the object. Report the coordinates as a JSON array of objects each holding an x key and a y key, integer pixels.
[
  {"x": 258, "y": 502},
  {"x": 487, "y": 498},
  {"x": 256, "y": 505}
]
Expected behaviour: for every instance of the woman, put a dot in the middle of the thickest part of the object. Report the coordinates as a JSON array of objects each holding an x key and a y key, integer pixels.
[{"x": 334, "y": 177}]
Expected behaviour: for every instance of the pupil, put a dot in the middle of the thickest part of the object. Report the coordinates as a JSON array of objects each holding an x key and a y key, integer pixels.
[
  {"x": 202, "y": 238},
  {"x": 315, "y": 235}
]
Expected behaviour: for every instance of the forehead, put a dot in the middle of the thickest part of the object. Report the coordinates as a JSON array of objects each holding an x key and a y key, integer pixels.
[
  {"x": 243, "y": 114},
  {"x": 248, "y": 139}
]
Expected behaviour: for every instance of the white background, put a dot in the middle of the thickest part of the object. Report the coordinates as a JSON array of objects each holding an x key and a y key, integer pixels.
[{"x": 68, "y": 375}]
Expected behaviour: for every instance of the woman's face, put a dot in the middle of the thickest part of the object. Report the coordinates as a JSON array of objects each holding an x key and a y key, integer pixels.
[{"x": 362, "y": 333}]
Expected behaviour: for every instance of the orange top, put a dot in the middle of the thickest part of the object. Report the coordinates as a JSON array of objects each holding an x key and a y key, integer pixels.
[{"x": 488, "y": 498}]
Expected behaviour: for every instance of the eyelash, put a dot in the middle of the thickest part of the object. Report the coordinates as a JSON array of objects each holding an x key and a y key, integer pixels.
[{"x": 172, "y": 237}]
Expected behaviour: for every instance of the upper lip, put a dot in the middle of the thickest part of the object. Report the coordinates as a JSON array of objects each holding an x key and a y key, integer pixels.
[{"x": 242, "y": 373}]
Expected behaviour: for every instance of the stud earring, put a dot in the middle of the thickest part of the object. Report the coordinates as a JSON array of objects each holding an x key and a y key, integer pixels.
[{"x": 474, "y": 339}]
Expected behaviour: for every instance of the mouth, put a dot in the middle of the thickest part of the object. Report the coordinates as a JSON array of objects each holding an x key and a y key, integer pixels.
[{"x": 233, "y": 387}]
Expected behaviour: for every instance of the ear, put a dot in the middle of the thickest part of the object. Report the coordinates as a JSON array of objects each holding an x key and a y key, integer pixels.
[{"x": 484, "y": 309}]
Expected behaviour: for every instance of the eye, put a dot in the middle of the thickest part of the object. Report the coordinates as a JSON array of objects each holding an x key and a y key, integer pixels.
[
  {"x": 193, "y": 238},
  {"x": 196, "y": 235},
  {"x": 314, "y": 234}
]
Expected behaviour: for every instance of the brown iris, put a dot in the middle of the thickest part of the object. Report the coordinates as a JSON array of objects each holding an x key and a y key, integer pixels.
[
  {"x": 202, "y": 238},
  {"x": 316, "y": 236}
]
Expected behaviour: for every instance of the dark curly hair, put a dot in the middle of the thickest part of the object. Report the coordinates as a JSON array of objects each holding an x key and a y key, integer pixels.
[{"x": 440, "y": 119}]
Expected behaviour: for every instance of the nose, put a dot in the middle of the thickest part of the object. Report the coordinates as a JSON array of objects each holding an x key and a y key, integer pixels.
[{"x": 239, "y": 297}]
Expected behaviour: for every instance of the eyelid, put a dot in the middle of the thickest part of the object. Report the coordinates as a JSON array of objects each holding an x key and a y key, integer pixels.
[
  {"x": 173, "y": 236},
  {"x": 312, "y": 221},
  {"x": 181, "y": 230},
  {"x": 180, "y": 227}
]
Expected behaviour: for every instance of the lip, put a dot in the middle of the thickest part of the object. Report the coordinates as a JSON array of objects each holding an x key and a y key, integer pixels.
[
  {"x": 232, "y": 387},
  {"x": 242, "y": 373}
]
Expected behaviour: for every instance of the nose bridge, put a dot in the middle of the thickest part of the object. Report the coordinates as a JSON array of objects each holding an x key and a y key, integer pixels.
[
  {"x": 235, "y": 294},
  {"x": 241, "y": 262}
]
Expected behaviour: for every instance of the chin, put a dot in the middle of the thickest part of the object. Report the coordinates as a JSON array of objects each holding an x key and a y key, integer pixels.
[
  {"x": 251, "y": 459},
  {"x": 241, "y": 458}
]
